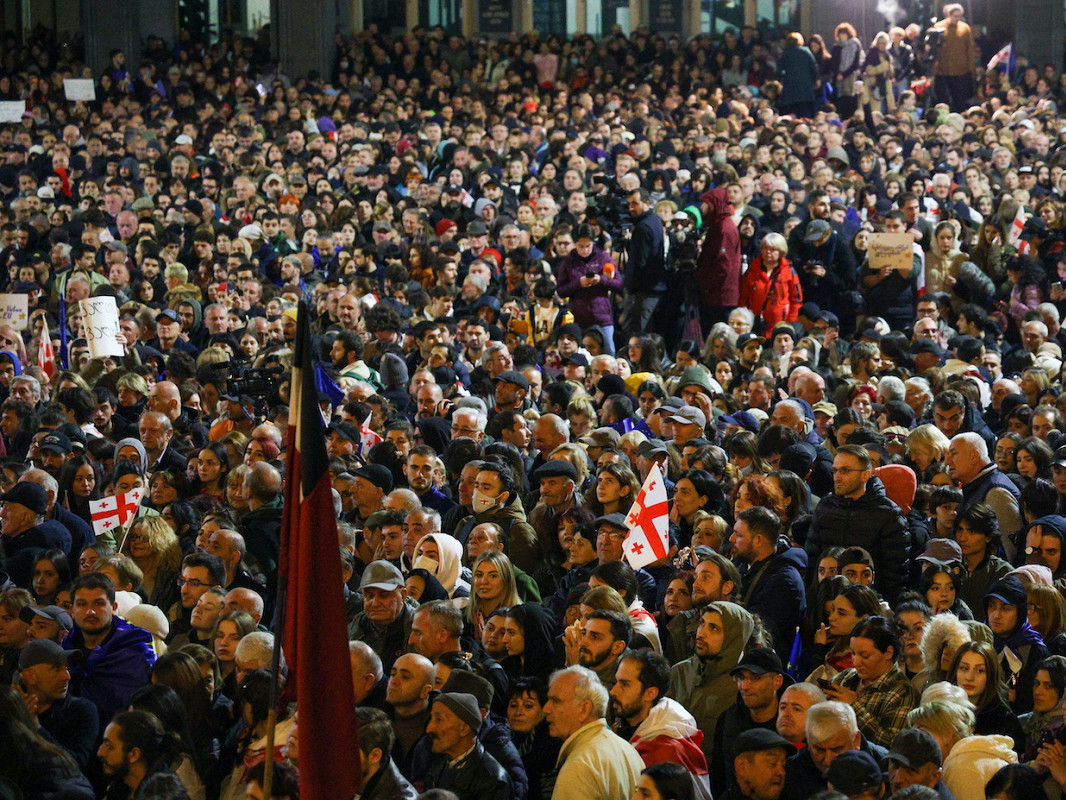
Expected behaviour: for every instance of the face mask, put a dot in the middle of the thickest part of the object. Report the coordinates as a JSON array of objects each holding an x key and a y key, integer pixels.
[
  {"x": 430, "y": 565},
  {"x": 482, "y": 502}
]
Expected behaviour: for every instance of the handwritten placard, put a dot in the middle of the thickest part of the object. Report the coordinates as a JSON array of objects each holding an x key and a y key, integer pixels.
[
  {"x": 12, "y": 110},
  {"x": 15, "y": 310},
  {"x": 893, "y": 250},
  {"x": 79, "y": 89},
  {"x": 101, "y": 326}
]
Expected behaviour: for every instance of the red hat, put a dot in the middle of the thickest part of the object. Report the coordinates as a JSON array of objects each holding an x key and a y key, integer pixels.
[{"x": 446, "y": 225}]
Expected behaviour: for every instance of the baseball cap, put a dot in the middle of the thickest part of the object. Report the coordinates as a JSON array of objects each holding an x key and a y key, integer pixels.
[
  {"x": 167, "y": 313},
  {"x": 927, "y": 346},
  {"x": 345, "y": 429},
  {"x": 854, "y": 772},
  {"x": 377, "y": 475},
  {"x": 759, "y": 660},
  {"x": 601, "y": 437},
  {"x": 54, "y": 613},
  {"x": 43, "y": 651},
  {"x": 816, "y": 229},
  {"x": 914, "y": 748},
  {"x": 690, "y": 415},
  {"x": 381, "y": 575},
  {"x": 1060, "y": 457},
  {"x": 27, "y": 494},
  {"x": 745, "y": 419},
  {"x": 576, "y": 360},
  {"x": 56, "y": 442},
  {"x": 652, "y": 447},
  {"x": 825, "y": 407},
  {"x": 743, "y": 340}
]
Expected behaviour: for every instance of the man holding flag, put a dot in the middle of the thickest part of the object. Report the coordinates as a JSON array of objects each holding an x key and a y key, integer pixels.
[
  {"x": 313, "y": 624},
  {"x": 773, "y": 575}
]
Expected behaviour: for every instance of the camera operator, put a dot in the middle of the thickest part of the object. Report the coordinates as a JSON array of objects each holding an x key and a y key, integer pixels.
[
  {"x": 955, "y": 59},
  {"x": 645, "y": 272}
]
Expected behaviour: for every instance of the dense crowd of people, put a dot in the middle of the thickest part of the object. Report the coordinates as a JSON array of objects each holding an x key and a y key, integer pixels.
[{"x": 538, "y": 270}]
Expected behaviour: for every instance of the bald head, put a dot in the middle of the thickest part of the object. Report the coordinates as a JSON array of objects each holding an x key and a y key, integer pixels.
[
  {"x": 242, "y": 599},
  {"x": 549, "y": 432},
  {"x": 810, "y": 386},
  {"x": 366, "y": 669},
  {"x": 165, "y": 399},
  {"x": 401, "y": 500},
  {"x": 263, "y": 484},
  {"x": 229, "y": 546}
]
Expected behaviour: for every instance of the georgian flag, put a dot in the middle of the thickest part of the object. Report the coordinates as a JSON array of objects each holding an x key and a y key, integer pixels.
[
  {"x": 114, "y": 513},
  {"x": 649, "y": 524},
  {"x": 1002, "y": 57},
  {"x": 1014, "y": 235}
]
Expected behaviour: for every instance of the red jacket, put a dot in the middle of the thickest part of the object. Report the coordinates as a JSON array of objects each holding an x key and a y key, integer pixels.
[{"x": 785, "y": 296}]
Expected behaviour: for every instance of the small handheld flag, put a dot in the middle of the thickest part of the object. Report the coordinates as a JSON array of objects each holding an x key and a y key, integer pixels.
[
  {"x": 648, "y": 521},
  {"x": 1002, "y": 56},
  {"x": 110, "y": 514}
]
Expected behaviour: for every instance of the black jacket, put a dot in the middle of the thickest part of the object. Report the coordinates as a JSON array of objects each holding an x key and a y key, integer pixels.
[
  {"x": 479, "y": 776},
  {"x": 645, "y": 270},
  {"x": 774, "y": 590},
  {"x": 388, "y": 784},
  {"x": 873, "y": 522}
]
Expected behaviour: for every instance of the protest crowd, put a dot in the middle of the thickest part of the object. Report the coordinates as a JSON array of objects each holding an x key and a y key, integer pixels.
[{"x": 694, "y": 415}]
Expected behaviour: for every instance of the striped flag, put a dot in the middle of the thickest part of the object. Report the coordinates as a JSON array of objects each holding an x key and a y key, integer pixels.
[
  {"x": 315, "y": 625},
  {"x": 649, "y": 524},
  {"x": 111, "y": 514}
]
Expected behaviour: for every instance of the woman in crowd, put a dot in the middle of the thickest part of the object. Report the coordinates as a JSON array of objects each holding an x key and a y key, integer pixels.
[
  {"x": 493, "y": 587},
  {"x": 1044, "y": 723},
  {"x": 51, "y": 572},
  {"x": 529, "y": 731},
  {"x": 231, "y": 627},
  {"x": 831, "y": 648},
  {"x": 975, "y": 668},
  {"x": 939, "y": 585},
  {"x": 875, "y": 686},
  {"x": 529, "y": 636},
  {"x": 212, "y": 464},
  {"x": 157, "y": 552}
]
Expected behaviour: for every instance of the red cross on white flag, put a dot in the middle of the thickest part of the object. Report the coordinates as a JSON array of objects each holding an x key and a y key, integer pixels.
[
  {"x": 1014, "y": 235},
  {"x": 649, "y": 524},
  {"x": 113, "y": 513}
]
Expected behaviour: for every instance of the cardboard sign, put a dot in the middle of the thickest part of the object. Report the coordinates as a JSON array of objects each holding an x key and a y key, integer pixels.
[
  {"x": 101, "y": 326},
  {"x": 12, "y": 110},
  {"x": 894, "y": 250},
  {"x": 79, "y": 89},
  {"x": 15, "y": 310}
]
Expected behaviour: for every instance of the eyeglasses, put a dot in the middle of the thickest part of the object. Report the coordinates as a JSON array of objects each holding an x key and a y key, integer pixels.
[
  {"x": 614, "y": 536},
  {"x": 192, "y": 583},
  {"x": 845, "y": 470},
  {"x": 896, "y": 437}
]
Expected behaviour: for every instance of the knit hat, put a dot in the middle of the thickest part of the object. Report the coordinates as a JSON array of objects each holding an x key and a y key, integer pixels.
[
  {"x": 393, "y": 370},
  {"x": 464, "y": 706},
  {"x": 900, "y": 484}
]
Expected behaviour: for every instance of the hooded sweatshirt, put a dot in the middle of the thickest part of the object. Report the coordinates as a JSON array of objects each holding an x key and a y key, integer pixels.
[
  {"x": 1022, "y": 649},
  {"x": 704, "y": 686},
  {"x": 538, "y": 628},
  {"x": 973, "y": 761},
  {"x": 718, "y": 267},
  {"x": 1051, "y": 525},
  {"x": 449, "y": 570}
]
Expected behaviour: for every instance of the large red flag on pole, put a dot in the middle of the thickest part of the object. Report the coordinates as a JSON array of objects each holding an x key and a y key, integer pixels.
[{"x": 315, "y": 628}]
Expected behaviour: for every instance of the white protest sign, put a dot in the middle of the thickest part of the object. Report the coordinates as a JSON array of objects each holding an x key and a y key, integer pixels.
[
  {"x": 101, "y": 326},
  {"x": 15, "y": 310},
  {"x": 79, "y": 89},
  {"x": 12, "y": 110},
  {"x": 894, "y": 250}
]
